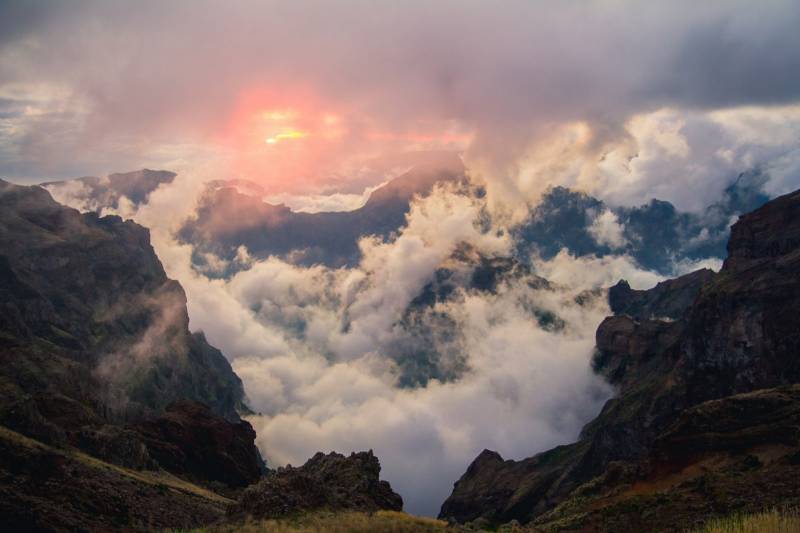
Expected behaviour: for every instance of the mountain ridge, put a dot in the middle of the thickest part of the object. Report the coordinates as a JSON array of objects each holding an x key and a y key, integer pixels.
[{"x": 736, "y": 337}]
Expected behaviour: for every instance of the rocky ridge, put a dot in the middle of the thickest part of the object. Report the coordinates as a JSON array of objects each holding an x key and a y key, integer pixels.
[
  {"x": 331, "y": 482},
  {"x": 699, "y": 362}
]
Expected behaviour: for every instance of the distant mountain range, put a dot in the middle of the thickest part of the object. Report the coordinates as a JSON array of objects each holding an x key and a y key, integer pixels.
[
  {"x": 96, "y": 194},
  {"x": 233, "y": 214},
  {"x": 656, "y": 234},
  {"x": 229, "y": 217}
]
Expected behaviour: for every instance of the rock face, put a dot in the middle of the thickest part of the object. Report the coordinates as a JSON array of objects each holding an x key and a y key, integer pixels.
[
  {"x": 95, "y": 350},
  {"x": 190, "y": 441},
  {"x": 87, "y": 313},
  {"x": 705, "y": 366},
  {"x": 668, "y": 299},
  {"x": 330, "y": 482}
]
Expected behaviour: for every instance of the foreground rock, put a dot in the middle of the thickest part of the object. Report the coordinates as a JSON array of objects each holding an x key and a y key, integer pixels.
[
  {"x": 190, "y": 441},
  {"x": 332, "y": 482},
  {"x": 705, "y": 419}
]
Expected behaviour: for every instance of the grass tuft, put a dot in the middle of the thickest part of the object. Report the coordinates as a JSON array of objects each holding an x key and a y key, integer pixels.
[
  {"x": 339, "y": 522},
  {"x": 774, "y": 521}
]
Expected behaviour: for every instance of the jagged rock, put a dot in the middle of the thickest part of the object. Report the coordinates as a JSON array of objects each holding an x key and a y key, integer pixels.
[
  {"x": 330, "y": 482},
  {"x": 667, "y": 300},
  {"x": 190, "y": 441},
  {"x": 87, "y": 313},
  {"x": 94, "y": 338},
  {"x": 742, "y": 331},
  {"x": 737, "y": 333}
]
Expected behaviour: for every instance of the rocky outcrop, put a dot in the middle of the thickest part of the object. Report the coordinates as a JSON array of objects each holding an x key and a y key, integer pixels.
[
  {"x": 742, "y": 332},
  {"x": 191, "y": 442},
  {"x": 667, "y": 300},
  {"x": 686, "y": 424},
  {"x": 331, "y": 482},
  {"x": 87, "y": 313}
]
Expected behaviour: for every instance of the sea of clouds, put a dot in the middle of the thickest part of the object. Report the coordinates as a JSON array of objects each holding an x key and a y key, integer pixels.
[{"x": 313, "y": 345}]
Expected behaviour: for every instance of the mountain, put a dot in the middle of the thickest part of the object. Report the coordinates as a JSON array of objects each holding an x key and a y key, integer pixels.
[
  {"x": 656, "y": 234},
  {"x": 428, "y": 343},
  {"x": 96, "y": 194},
  {"x": 228, "y": 218},
  {"x": 332, "y": 482},
  {"x": 706, "y": 415},
  {"x": 103, "y": 388},
  {"x": 89, "y": 314},
  {"x": 113, "y": 415}
]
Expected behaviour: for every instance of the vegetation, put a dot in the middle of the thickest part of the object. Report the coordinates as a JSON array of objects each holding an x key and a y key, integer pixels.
[
  {"x": 339, "y": 522},
  {"x": 773, "y": 521}
]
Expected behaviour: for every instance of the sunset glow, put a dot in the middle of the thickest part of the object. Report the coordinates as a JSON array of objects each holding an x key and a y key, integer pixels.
[{"x": 286, "y": 135}]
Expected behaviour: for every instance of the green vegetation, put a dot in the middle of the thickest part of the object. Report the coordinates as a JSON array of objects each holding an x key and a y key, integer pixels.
[
  {"x": 338, "y": 522},
  {"x": 774, "y": 521}
]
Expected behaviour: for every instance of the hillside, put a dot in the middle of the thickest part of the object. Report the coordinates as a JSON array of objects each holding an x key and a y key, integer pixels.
[{"x": 706, "y": 413}]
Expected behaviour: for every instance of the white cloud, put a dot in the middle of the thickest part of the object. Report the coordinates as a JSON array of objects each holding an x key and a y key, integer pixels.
[
  {"x": 311, "y": 347},
  {"x": 607, "y": 230}
]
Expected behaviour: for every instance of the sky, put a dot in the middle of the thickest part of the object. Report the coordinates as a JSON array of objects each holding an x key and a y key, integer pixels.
[
  {"x": 298, "y": 94},
  {"x": 320, "y": 102}
]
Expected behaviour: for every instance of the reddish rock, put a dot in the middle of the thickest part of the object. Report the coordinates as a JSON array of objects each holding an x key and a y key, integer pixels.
[
  {"x": 330, "y": 482},
  {"x": 190, "y": 441}
]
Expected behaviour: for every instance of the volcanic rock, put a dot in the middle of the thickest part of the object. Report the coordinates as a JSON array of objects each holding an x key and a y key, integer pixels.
[
  {"x": 190, "y": 441},
  {"x": 705, "y": 419},
  {"x": 330, "y": 482}
]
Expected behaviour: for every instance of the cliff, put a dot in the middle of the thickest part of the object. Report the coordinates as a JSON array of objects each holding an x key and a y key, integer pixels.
[{"x": 700, "y": 364}]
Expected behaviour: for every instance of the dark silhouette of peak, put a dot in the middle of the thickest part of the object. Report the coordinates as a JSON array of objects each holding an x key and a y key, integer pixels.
[{"x": 228, "y": 218}]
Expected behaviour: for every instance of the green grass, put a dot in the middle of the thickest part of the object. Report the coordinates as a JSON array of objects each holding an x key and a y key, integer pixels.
[
  {"x": 339, "y": 522},
  {"x": 773, "y": 521}
]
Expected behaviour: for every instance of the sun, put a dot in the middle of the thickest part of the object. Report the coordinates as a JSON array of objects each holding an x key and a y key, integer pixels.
[{"x": 286, "y": 136}]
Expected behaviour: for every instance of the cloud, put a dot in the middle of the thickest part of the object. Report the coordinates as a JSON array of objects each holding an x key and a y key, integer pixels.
[
  {"x": 313, "y": 346},
  {"x": 686, "y": 157},
  {"x": 362, "y": 79},
  {"x": 607, "y": 230}
]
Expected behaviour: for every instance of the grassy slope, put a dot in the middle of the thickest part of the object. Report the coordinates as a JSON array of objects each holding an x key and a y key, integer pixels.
[
  {"x": 767, "y": 522},
  {"x": 340, "y": 522},
  {"x": 47, "y": 488}
]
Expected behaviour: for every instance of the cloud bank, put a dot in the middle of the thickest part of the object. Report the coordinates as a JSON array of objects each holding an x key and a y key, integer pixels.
[{"x": 314, "y": 345}]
